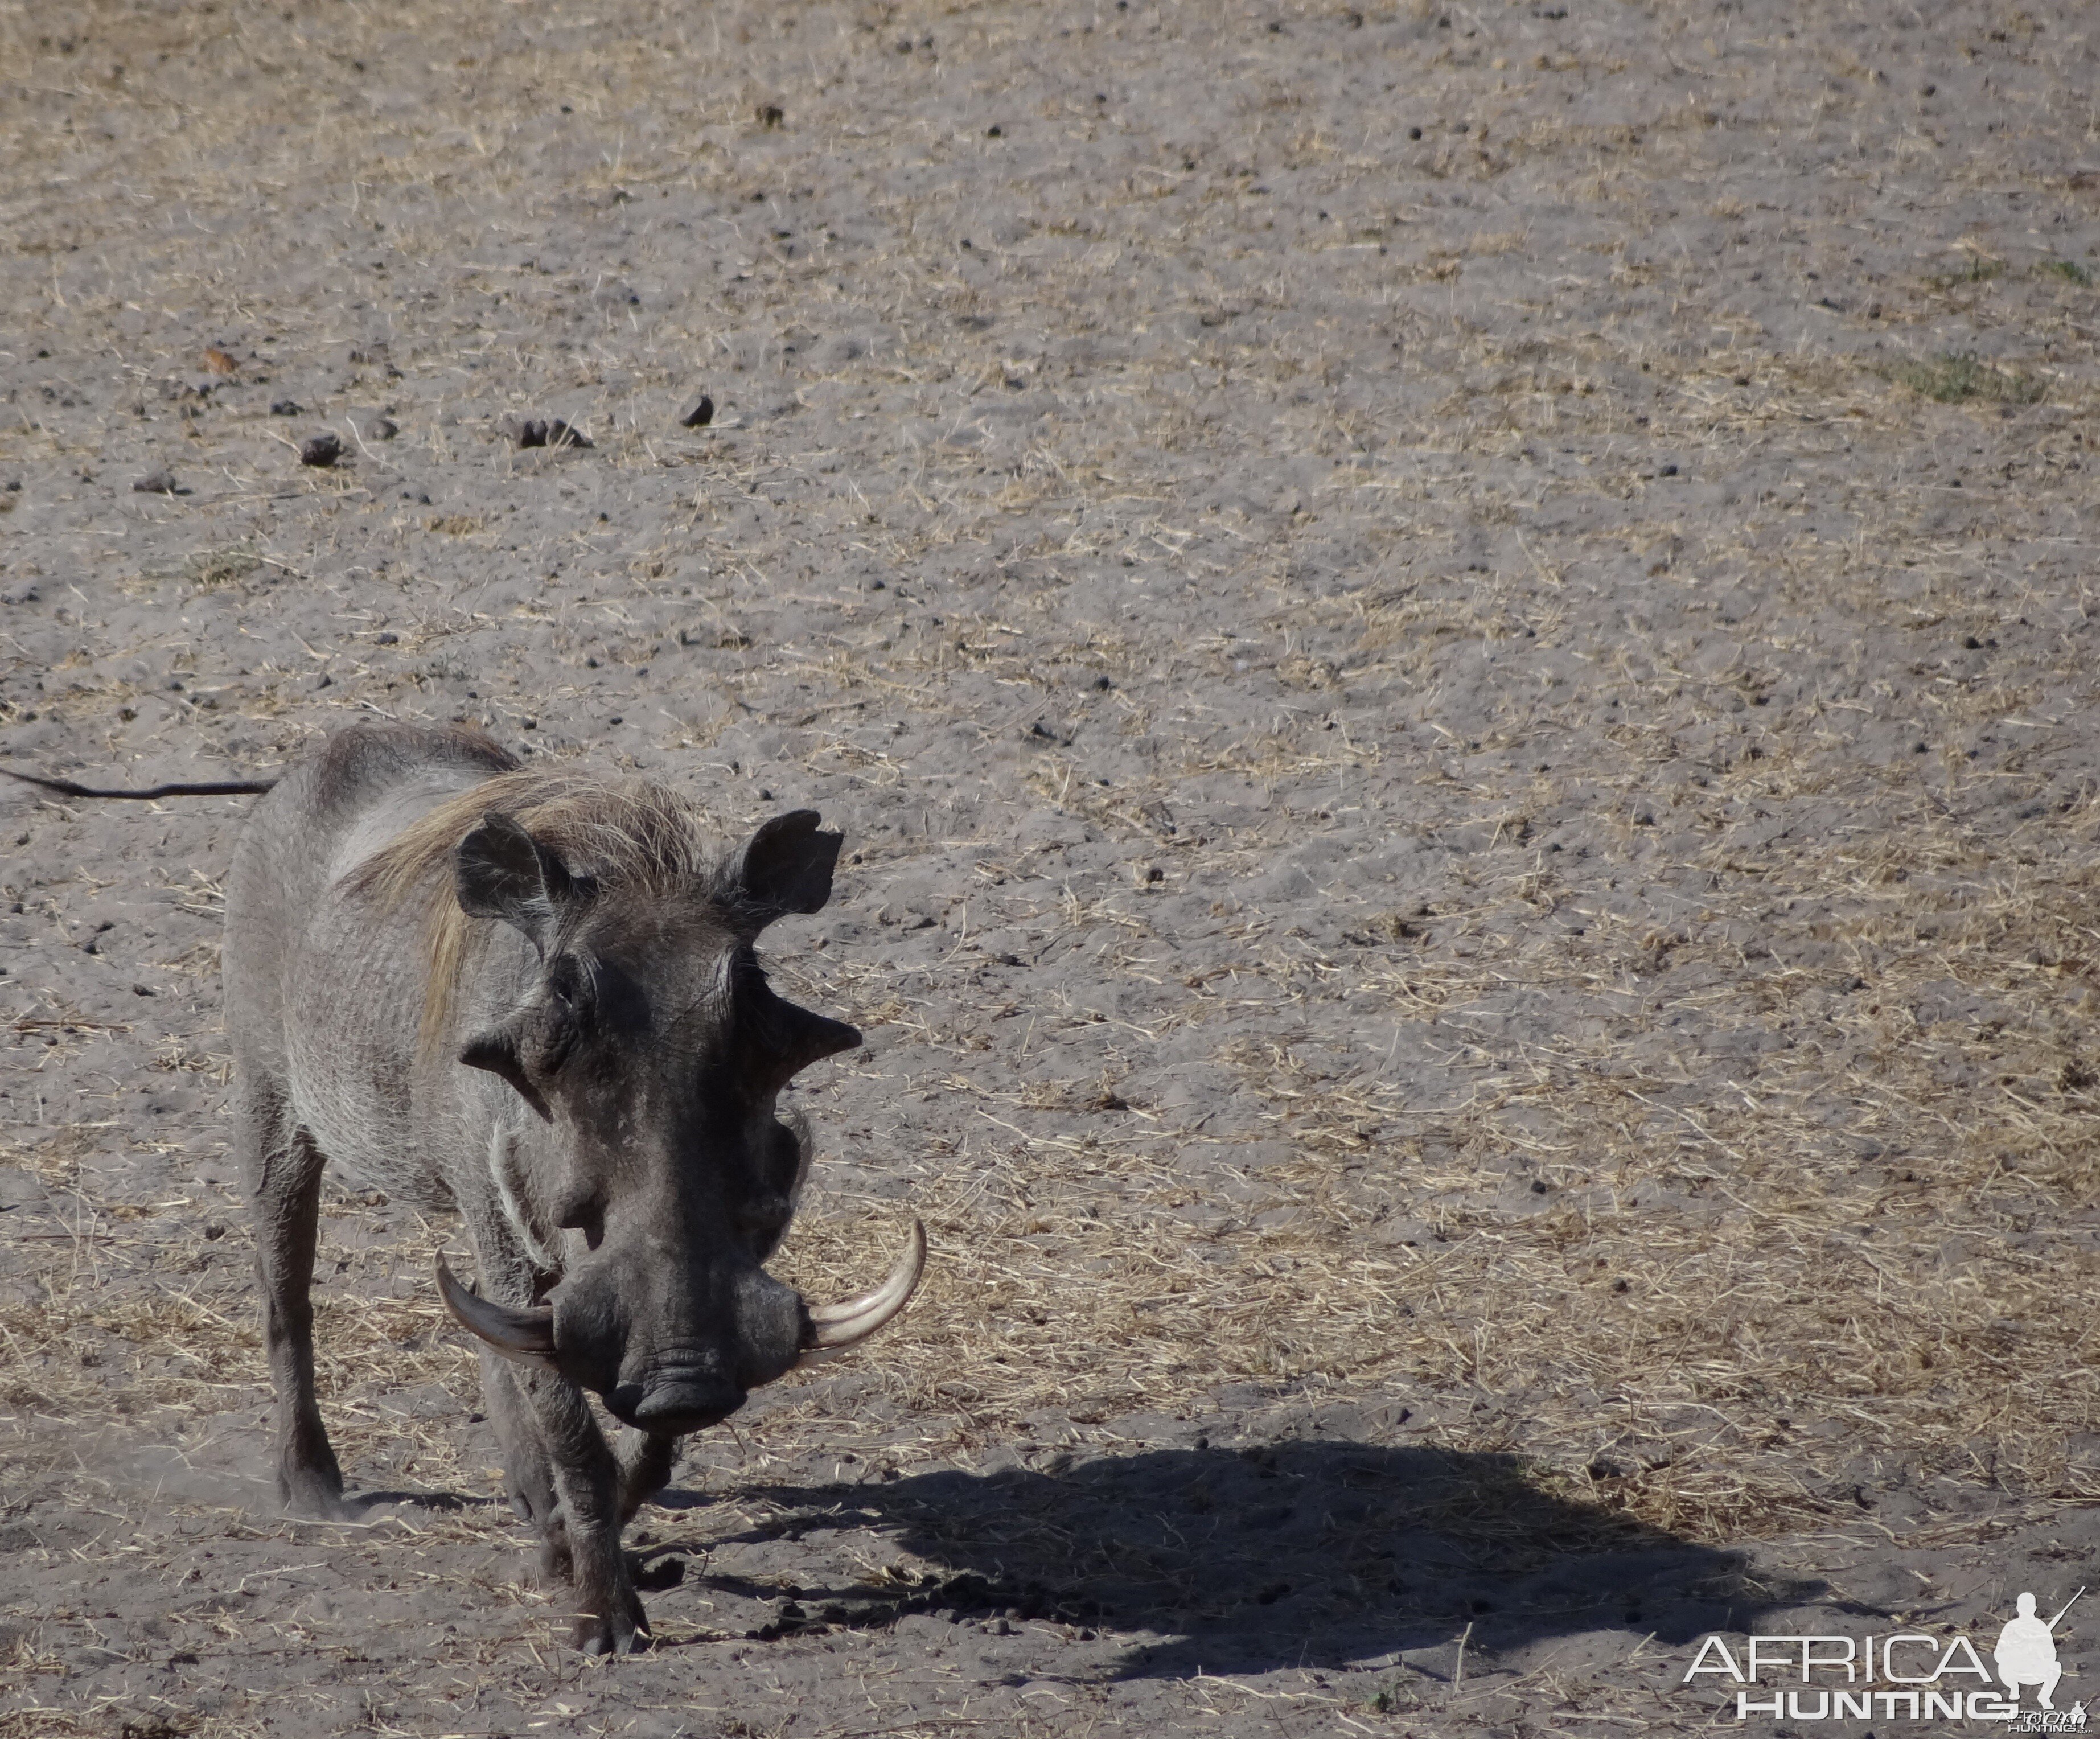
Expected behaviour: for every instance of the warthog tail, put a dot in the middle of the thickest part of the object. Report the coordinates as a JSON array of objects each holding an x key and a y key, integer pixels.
[{"x": 229, "y": 788}]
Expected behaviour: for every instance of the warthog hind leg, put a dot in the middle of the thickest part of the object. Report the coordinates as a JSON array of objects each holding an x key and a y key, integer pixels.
[{"x": 282, "y": 1169}]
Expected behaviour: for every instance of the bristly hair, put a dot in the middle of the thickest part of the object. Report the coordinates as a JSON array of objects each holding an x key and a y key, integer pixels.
[{"x": 627, "y": 834}]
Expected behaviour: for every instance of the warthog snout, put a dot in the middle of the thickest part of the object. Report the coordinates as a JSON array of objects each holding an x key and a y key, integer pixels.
[
  {"x": 676, "y": 1402},
  {"x": 671, "y": 1391},
  {"x": 672, "y": 1347}
]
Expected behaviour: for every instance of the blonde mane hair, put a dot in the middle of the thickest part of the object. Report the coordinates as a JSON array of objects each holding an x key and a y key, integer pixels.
[{"x": 628, "y": 833}]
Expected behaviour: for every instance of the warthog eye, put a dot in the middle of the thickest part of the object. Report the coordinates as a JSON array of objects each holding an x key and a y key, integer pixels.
[
  {"x": 567, "y": 981},
  {"x": 568, "y": 1009}
]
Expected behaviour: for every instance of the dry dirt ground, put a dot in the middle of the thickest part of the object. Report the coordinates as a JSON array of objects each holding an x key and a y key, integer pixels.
[{"x": 1456, "y": 646}]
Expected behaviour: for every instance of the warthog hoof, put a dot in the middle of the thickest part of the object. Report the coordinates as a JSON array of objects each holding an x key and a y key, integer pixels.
[
  {"x": 624, "y": 1630},
  {"x": 315, "y": 1493}
]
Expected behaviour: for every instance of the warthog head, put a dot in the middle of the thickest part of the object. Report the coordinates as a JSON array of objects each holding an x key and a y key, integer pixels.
[{"x": 651, "y": 1175}]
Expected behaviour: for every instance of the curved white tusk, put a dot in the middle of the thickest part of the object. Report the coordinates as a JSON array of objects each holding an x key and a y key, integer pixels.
[
  {"x": 837, "y": 1328},
  {"x": 525, "y": 1337}
]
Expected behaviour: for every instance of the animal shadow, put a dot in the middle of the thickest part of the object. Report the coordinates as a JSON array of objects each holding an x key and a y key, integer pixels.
[{"x": 1302, "y": 1553}]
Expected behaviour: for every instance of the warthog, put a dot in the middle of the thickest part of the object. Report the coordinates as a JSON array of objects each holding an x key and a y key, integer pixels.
[{"x": 531, "y": 997}]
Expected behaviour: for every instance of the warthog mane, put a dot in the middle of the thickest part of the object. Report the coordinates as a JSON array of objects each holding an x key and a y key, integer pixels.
[{"x": 625, "y": 833}]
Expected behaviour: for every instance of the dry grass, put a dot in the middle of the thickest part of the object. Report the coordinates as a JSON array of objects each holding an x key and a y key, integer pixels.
[{"x": 1956, "y": 378}]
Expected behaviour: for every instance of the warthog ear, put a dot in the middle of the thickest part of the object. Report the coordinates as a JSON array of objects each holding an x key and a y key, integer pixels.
[
  {"x": 786, "y": 867},
  {"x": 500, "y": 871}
]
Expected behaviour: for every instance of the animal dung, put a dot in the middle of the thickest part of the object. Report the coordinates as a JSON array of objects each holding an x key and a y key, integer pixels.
[
  {"x": 542, "y": 431},
  {"x": 700, "y": 416},
  {"x": 320, "y": 450}
]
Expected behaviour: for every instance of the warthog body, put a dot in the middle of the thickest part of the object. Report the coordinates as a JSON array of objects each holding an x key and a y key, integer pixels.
[{"x": 532, "y": 998}]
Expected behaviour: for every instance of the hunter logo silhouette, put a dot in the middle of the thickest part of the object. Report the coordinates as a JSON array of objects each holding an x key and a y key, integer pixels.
[{"x": 2026, "y": 1653}]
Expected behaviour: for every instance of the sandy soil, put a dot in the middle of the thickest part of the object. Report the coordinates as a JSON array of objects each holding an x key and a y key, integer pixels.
[{"x": 1455, "y": 647}]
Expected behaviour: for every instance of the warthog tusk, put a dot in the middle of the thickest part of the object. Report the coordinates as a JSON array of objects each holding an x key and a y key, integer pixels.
[
  {"x": 836, "y": 1328},
  {"x": 526, "y": 1337}
]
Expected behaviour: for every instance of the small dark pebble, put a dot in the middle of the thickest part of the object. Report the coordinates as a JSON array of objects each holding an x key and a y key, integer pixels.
[
  {"x": 320, "y": 450},
  {"x": 387, "y": 638},
  {"x": 1102, "y": 685},
  {"x": 287, "y": 407},
  {"x": 616, "y": 720},
  {"x": 995, "y": 132},
  {"x": 700, "y": 416},
  {"x": 1668, "y": 470}
]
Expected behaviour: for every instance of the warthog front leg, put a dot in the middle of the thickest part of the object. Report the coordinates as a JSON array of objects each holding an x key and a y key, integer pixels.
[
  {"x": 646, "y": 1462},
  {"x": 587, "y": 1513},
  {"x": 282, "y": 1169},
  {"x": 528, "y": 1474}
]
